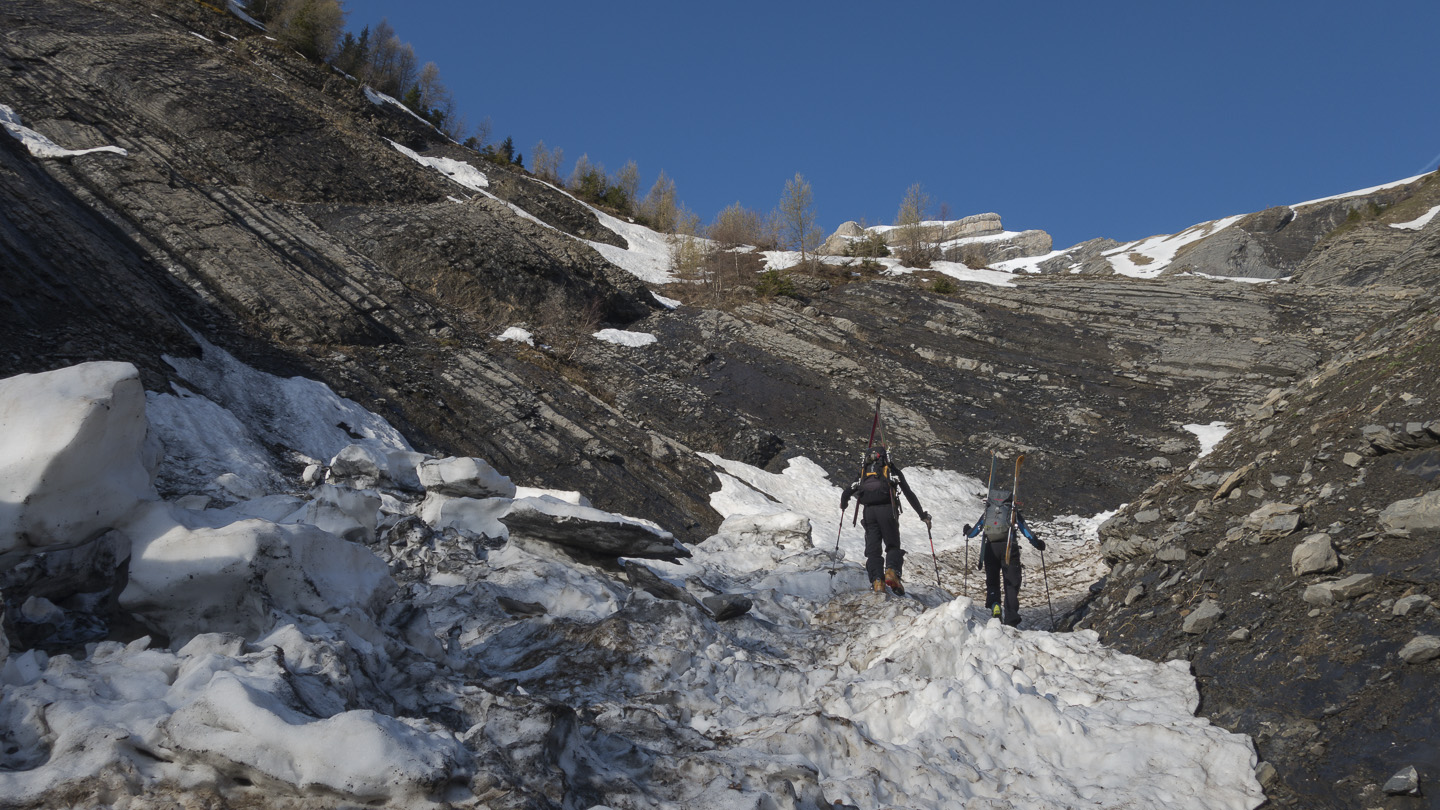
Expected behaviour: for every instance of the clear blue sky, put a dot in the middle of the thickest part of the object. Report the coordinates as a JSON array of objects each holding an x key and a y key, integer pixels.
[{"x": 1084, "y": 119}]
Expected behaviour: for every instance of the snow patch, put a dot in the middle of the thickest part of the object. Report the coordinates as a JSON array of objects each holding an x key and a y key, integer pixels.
[
  {"x": 620, "y": 337},
  {"x": 457, "y": 170},
  {"x": 41, "y": 146},
  {"x": 1419, "y": 222},
  {"x": 1209, "y": 435}
]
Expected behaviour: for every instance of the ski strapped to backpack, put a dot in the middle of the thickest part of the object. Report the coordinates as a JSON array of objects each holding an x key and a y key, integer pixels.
[{"x": 1014, "y": 507}]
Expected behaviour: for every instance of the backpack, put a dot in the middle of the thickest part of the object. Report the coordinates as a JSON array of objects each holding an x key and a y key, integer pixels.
[
  {"x": 875, "y": 483},
  {"x": 996, "y": 520}
]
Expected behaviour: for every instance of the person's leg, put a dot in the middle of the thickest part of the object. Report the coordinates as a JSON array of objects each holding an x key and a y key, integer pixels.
[
  {"x": 1012, "y": 589},
  {"x": 874, "y": 562},
  {"x": 992, "y": 575},
  {"x": 890, "y": 531}
]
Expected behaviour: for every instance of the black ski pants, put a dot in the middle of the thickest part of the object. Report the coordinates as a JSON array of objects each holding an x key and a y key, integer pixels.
[
  {"x": 881, "y": 526},
  {"x": 994, "y": 556}
]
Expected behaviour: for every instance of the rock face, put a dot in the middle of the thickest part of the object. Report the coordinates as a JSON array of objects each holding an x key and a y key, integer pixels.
[{"x": 1365, "y": 579}]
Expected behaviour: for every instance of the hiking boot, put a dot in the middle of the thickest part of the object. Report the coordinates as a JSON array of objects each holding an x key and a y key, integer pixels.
[
  {"x": 995, "y": 611},
  {"x": 878, "y": 586},
  {"x": 892, "y": 579}
]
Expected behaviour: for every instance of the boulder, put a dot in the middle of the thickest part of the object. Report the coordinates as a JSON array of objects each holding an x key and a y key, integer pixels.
[
  {"x": 1314, "y": 555},
  {"x": 71, "y": 436},
  {"x": 464, "y": 478},
  {"x": 1406, "y": 782},
  {"x": 1413, "y": 513},
  {"x": 1420, "y": 649},
  {"x": 587, "y": 529},
  {"x": 1203, "y": 618},
  {"x": 1407, "y": 604},
  {"x": 1328, "y": 593}
]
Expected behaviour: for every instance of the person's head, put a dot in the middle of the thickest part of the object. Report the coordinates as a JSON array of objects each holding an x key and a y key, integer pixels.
[{"x": 878, "y": 454}]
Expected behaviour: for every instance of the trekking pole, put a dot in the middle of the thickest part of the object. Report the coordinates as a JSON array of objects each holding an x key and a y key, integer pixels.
[
  {"x": 835, "y": 558},
  {"x": 1046, "y": 575},
  {"x": 933, "y": 556},
  {"x": 965, "y": 578}
]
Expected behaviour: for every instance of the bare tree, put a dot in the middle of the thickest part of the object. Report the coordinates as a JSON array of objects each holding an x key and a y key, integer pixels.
[
  {"x": 546, "y": 162},
  {"x": 914, "y": 248},
  {"x": 628, "y": 181},
  {"x": 659, "y": 206},
  {"x": 797, "y": 218}
]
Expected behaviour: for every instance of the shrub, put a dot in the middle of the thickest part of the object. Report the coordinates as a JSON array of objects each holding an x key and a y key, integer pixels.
[
  {"x": 773, "y": 283},
  {"x": 943, "y": 286}
]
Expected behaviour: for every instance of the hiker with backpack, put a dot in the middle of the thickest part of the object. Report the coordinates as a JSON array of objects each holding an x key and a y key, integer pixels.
[
  {"x": 875, "y": 491},
  {"x": 1000, "y": 525}
]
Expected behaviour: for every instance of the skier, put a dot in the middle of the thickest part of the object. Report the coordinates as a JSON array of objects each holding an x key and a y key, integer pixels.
[
  {"x": 876, "y": 492},
  {"x": 998, "y": 554}
]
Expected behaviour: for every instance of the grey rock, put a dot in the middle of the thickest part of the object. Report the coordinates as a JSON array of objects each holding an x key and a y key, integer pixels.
[
  {"x": 727, "y": 605},
  {"x": 1239, "y": 636},
  {"x": 1203, "y": 618},
  {"x": 1172, "y": 553},
  {"x": 1352, "y": 459},
  {"x": 1232, "y": 482},
  {"x": 1147, "y": 516},
  {"x": 517, "y": 608},
  {"x": 1420, "y": 649},
  {"x": 1265, "y": 773},
  {"x": 642, "y": 577},
  {"x": 607, "y": 538},
  {"x": 1413, "y": 513},
  {"x": 1406, "y": 604},
  {"x": 1405, "y": 782},
  {"x": 1314, "y": 555},
  {"x": 1135, "y": 594}
]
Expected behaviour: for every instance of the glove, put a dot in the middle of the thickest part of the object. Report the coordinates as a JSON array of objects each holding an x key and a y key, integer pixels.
[
  {"x": 925, "y": 518},
  {"x": 1038, "y": 543},
  {"x": 968, "y": 527}
]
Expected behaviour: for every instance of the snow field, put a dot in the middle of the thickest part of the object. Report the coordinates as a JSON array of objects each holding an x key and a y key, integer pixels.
[{"x": 332, "y": 655}]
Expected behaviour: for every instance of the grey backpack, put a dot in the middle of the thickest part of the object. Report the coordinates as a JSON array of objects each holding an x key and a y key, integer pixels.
[{"x": 996, "y": 520}]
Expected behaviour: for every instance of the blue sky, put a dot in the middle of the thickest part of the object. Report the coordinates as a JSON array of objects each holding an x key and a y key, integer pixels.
[{"x": 1084, "y": 119}]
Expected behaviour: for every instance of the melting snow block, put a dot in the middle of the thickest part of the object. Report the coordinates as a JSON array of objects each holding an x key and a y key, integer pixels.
[
  {"x": 464, "y": 478},
  {"x": 188, "y": 577},
  {"x": 71, "y": 454}
]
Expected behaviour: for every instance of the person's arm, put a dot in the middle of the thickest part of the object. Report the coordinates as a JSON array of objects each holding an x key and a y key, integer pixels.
[
  {"x": 910, "y": 496},
  {"x": 845, "y": 495},
  {"x": 1025, "y": 530},
  {"x": 974, "y": 531}
]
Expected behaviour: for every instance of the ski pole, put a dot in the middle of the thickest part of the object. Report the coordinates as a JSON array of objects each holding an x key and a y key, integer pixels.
[
  {"x": 965, "y": 580},
  {"x": 1046, "y": 575},
  {"x": 834, "y": 558},
  {"x": 933, "y": 556}
]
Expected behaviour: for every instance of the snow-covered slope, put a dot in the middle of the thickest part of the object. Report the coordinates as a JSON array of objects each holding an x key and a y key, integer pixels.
[{"x": 383, "y": 658}]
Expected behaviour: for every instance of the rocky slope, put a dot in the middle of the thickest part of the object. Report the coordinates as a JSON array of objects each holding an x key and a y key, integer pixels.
[{"x": 263, "y": 205}]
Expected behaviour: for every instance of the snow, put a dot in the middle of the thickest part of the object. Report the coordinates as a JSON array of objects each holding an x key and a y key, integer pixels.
[
  {"x": 1209, "y": 435},
  {"x": 67, "y": 437},
  {"x": 398, "y": 666},
  {"x": 620, "y": 337},
  {"x": 41, "y": 146},
  {"x": 202, "y": 36},
  {"x": 785, "y": 259},
  {"x": 457, "y": 170},
  {"x": 1419, "y": 222},
  {"x": 1028, "y": 264},
  {"x": 1359, "y": 193},
  {"x": 517, "y": 334},
  {"x": 239, "y": 11},
  {"x": 647, "y": 256},
  {"x": 668, "y": 303},
  {"x": 1159, "y": 251}
]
